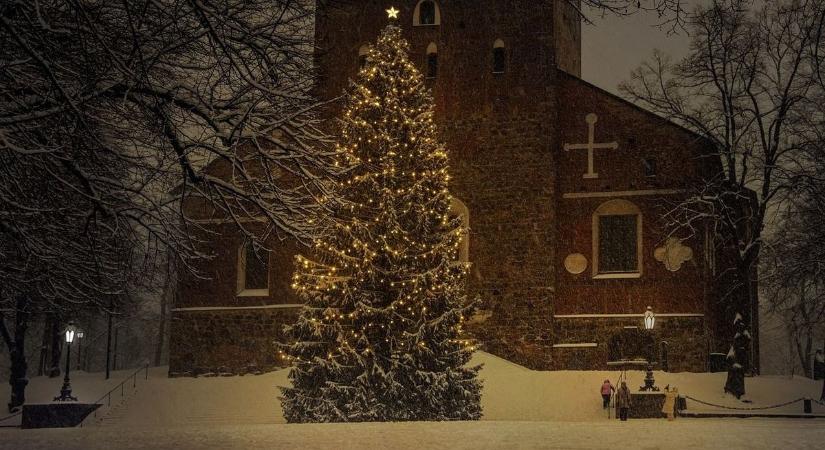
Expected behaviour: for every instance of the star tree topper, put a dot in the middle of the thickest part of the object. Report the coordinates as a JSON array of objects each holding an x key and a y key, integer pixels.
[{"x": 392, "y": 13}]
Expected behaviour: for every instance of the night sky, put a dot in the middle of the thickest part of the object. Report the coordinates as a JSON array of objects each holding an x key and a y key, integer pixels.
[{"x": 613, "y": 46}]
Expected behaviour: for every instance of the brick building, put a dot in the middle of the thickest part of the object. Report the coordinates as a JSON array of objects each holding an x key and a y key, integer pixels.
[{"x": 562, "y": 185}]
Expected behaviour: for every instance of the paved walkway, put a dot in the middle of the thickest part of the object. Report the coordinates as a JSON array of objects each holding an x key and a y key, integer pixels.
[{"x": 728, "y": 434}]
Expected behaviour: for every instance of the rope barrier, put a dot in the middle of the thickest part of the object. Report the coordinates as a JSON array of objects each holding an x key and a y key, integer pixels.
[
  {"x": 818, "y": 402},
  {"x": 9, "y": 417},
  {"x": 754, "y": 408}
]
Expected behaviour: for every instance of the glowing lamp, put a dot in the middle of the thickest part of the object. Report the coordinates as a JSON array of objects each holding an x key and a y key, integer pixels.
[
  {"x": 70, "y": 333},
  {"x": 650, "y": 318}
]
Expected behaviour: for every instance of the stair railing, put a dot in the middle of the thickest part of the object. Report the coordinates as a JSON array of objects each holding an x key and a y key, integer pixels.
[{"x": 122, "y": 386}]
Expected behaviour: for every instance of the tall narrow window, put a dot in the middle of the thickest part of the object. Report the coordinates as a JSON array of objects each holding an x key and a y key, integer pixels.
[
  {"x": 362, "y": 56},
  {"x": 649, "y": 166},
  {"x": 426, "y": 13},
  {"x": 432, "y": 60},
  {"x": 617, "y": 240},
  {"x": 617, "y": 243},
  {"x": 459, "y": 209},
  {"x": 499, "y": 57},
  {"x": 253, "y": 271}
]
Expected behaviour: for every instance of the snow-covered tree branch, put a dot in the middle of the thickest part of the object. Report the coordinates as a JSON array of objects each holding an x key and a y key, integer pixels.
[{"x": 113, "y": 113}]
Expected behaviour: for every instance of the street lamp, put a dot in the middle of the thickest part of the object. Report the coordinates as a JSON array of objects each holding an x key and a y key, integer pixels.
[
  {"x": 650, "y": 318},
  {"x": 79, "y": 335},
  {"x": 66, "y": 390},
  {"x": 650, "y": 321}
]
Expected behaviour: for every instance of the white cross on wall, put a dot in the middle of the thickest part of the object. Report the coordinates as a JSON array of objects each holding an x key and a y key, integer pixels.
[{"x": 591, "y": 145}]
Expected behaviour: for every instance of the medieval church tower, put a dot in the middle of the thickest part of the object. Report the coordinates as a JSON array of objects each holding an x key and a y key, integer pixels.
[{"x": 561, "y": 184}]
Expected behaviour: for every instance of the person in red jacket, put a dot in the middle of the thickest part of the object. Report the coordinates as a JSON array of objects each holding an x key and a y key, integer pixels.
[{"x": 607, "y": 389}]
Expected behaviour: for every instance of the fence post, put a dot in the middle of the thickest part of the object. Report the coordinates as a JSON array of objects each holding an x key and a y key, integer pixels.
[
  {"x": 807, "y": 406},
  {"x": 681, "y": 403}
]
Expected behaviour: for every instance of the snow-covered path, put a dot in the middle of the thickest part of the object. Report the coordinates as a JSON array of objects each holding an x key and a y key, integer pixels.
[
  {"x": 511, "y": 393},
  {"x": 522, "y": 409},
  {"x": 729, "y": 434}
]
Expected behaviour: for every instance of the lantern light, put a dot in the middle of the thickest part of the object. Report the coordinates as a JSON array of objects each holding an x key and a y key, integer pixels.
[
  {"x": 650, "y": 318},
  {"x": 71, "y": 330}
]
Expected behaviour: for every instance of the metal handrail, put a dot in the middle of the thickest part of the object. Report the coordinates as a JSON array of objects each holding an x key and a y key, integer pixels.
[
  {"x": 108, "y": 395},
  {"x": 3, "y": 419}
]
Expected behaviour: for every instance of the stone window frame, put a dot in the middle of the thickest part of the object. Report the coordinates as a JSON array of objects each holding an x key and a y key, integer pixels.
[
  {"x": 363, "y": 51},
  {"x": 458, "y": 208},
  {"x": 242, "y": 291},
  {"x": 431, "y": 65},
  {"x": 417, "y": 14},
  {"x": 499, "y": 55},
  {"x": 618, "y": 207}
]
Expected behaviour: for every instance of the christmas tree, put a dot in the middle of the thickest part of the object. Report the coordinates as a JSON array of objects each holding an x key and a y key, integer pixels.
[{"x": 379, "y": 337}]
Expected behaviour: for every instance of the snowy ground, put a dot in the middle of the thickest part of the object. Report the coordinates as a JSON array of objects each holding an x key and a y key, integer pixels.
[
  {"x": 522, "y": 409},
  {"x": 752, "y": 434}
]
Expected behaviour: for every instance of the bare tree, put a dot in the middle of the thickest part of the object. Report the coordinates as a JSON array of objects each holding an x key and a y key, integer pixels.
[
  {"x": 673, "y": 13},
  {"x": 794, "y": 276},
  {"x": 745, "y": 85},
  {"x": 111, "y": 113}
]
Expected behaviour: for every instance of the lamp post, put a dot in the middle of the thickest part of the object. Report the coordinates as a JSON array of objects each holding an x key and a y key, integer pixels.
[
  {"x": 66, "y": 390},
  {"x": 650, "y": 321},
  {"x": 80, "y": 334}
]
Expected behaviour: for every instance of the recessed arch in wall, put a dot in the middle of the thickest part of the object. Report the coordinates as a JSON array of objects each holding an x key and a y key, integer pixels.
[
  {"x": 499, "y": 57},
  {"x": 427, "y": 13}
]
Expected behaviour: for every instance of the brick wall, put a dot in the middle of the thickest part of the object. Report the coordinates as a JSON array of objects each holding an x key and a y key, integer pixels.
[
  {"x": 498, "y": 129},
  {"x": 227, "y": 341},
  {"x": 504, "y": 133}
]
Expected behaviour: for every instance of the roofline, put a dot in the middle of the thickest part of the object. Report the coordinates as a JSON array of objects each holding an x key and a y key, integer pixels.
[{"x": 700, "y": 137}]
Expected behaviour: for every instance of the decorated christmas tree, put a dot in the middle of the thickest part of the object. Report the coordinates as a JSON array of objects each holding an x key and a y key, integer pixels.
[{"x": 379, "y": 337}]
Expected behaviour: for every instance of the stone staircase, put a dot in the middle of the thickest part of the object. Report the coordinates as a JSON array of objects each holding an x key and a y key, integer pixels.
[{"x": 203, "y": 402}]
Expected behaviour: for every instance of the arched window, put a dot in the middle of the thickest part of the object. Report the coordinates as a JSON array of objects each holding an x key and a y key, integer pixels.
[
  {"x": 362, "y": 56},
  {"x": 617, "y": 240},
  {"x": 253, "y": 271},
  {"x": 432, "y": 60},
  {"x": 426, "y": 13},
  {"x": 649, "y": 165},
  {"x": 458, "y": 208},
  {"x": 499, "y": 57}
]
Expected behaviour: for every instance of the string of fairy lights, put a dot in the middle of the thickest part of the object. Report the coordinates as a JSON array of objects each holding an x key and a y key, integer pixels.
[{"x": 385, "y": 281}]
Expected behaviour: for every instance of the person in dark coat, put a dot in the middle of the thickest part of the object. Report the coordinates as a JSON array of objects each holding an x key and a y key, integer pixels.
[
  {"x": 606, "y": 390},
  {"x": 623, "y": 401}
]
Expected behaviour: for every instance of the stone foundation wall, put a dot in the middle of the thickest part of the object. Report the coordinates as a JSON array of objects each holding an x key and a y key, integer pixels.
[
  {"x": 686, "y": 337},
  {"x": 227, "y": 342},
  {"x": 647, "y": 405}
]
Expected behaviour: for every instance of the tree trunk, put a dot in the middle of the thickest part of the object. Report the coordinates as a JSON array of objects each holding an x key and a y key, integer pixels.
[
  {"x": 18, "y": 378},
  {"x": 109, "y": 344},
  {"x": 44, "y": 346},
  {"x": 56, "y": 348},
  {"x": 822, "y": 395},
  {"x": 164, "y": 301},
  {"x": 805, "y": 354}
]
